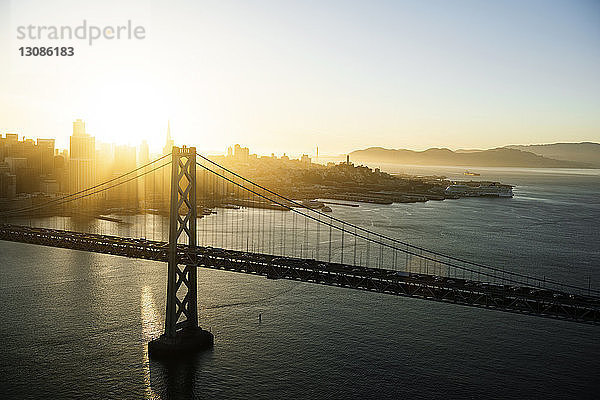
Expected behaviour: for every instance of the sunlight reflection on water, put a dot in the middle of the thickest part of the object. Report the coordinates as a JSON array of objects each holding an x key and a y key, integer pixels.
[{"x": 152, "y": 324}]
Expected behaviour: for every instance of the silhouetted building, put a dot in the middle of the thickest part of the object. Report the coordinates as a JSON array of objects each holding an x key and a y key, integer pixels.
[
  {"x": 143, "y": 187},
  {"x": 29, "y": 161},
  {"x": 46, "y": 156},
  {"x": 169, "y": 143},
  {"x": 126, "y": 194},
  {"x": 82, "y": 159},
  {"x": 8, "y": 182},
  {"x": 49, "y": 186},
  {"x": 144, "y": 157},
  {"x": 105, "y": 158},
  {"x": 78, "y": 128},
  {"x": 7, "y": 145},
  {"x": 240, "y": 153},
  {"x": 15, "y": 163},
  {"x": 161, "y": 180},
  {"x": 26, "y": 177}
]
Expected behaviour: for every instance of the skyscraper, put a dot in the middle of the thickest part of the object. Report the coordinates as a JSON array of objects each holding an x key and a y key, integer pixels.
[
  {"x": 144, "y": 155},
  {"x": 169, "y": 143},
  {"x": 164, "y": 176},
  {"x": 46, "y": 154},
  {"x": 126, "y": 194},
  {"x": 78, "y": 128},
  {"x": 240, "y": 153},
  {"x": 82, "y": 159}
]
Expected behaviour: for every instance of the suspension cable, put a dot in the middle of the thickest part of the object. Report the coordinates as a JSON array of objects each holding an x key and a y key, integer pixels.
[
  {"x": 369, "y": 240},
  {"x": 97, "y": 191},
  {"x": 29, "y": 208},
  {"x": 496, "y": 269}
]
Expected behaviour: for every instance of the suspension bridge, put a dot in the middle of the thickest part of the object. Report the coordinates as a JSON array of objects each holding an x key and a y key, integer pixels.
[{"x": 197, "y": 213}]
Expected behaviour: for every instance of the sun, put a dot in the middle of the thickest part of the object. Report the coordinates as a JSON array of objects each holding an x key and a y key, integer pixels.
[{"x": 128, "y": 110}]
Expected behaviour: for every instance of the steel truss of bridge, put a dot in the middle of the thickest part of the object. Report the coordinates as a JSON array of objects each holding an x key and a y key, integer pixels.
[{"x": 516, "y": 299}]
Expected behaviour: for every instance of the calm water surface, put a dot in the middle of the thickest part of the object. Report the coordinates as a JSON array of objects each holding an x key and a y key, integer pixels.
[{"x": 75, "y": 324}]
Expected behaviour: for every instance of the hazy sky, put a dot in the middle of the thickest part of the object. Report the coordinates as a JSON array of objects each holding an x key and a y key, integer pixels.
[{"x": 287, "y": 76}]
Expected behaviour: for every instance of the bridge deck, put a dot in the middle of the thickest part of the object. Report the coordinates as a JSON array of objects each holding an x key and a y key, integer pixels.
[{"x": 518, "y": 299}]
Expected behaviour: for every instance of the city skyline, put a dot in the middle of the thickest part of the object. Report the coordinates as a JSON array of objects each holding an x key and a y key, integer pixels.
[
  {"x": 169, "y": 140},
  {"x": 33, "y": 168},
  {"x": 393, "y": 74},
  {"x": 83, "y": 139},
  {"x": 295, "y": 199}
]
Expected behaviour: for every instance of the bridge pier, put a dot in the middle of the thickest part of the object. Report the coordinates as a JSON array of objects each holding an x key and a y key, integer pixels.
[
  {"x": 182, "y": 334},
  {"x": 185, "y": 342}
]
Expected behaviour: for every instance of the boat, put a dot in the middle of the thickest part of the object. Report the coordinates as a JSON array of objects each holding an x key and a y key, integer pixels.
[
  {"x": 469, "y": 173},
  {"x": 483, "y": 189},
  {"x": 312, "y": 203},
  {"x": 326, "y": 209}
]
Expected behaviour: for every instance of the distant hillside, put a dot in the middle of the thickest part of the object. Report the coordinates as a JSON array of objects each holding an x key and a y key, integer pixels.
[
  {"x": 501, "y": 157},
  {"x": 586, "y": 152}
]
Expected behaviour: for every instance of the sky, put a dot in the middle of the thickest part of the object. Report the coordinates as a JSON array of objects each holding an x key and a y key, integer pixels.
[{"x": 287, "y": 76}]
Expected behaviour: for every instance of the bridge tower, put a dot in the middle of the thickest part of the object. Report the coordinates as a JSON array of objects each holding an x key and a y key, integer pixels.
[{"x": 182, "y": 334}]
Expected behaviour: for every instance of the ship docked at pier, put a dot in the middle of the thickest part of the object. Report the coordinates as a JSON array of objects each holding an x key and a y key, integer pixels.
[{"x": 479, "y": 189}]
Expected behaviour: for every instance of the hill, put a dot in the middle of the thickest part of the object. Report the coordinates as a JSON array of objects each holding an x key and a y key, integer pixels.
[
  {"x": 585, "y": 152},
  {"x": 500, "y": 157}
]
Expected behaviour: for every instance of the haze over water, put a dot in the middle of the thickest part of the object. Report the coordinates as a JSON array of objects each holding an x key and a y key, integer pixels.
[{"x": 75, "y": 325}]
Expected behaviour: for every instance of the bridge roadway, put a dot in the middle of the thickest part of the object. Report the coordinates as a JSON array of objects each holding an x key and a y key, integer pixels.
[{"x": 511, "y": 298}]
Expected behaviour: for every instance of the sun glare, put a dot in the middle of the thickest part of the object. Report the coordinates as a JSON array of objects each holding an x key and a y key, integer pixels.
[{"x": 127, "y": 111}]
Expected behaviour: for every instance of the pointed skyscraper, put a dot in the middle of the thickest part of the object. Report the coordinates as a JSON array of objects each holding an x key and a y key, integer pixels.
[{"x": 169, "y": 143}]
